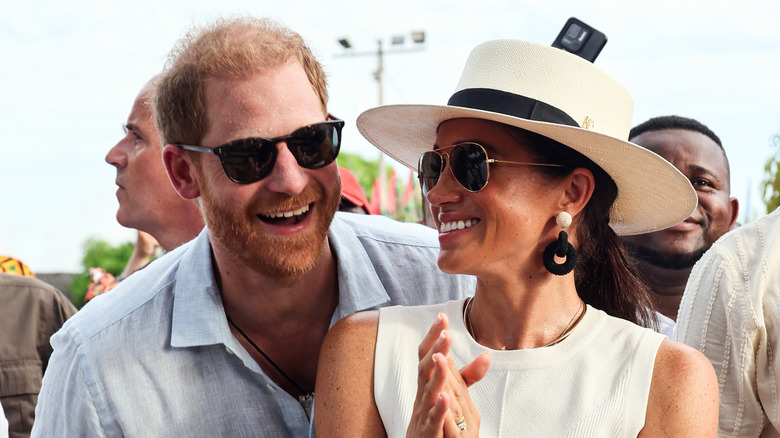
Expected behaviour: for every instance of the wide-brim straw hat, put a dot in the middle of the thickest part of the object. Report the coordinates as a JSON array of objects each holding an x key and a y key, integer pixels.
[{"x": 561, "y": 96}]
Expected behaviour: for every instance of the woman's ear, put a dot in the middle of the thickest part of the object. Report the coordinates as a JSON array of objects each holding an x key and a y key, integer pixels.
[
  {"x": 578, "y": 188},
  {"x": 181, "y": 171}
]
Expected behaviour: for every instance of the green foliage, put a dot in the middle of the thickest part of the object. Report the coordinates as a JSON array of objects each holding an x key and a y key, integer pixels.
[
  {"x": 770, "y": 187},
  {"x": 366, "y": 173},
  {"x": 99, "y": 254}
]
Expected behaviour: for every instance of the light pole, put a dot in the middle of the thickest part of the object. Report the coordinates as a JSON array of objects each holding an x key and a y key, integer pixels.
[{"x": 397, "y": 45}]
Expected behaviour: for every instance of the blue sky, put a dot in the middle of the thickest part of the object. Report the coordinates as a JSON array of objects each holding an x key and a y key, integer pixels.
[{"x": 71, "y": 70}]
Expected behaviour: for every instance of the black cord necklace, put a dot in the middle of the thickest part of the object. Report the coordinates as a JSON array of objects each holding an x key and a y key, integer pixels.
[{"x": 306, "y": 398}]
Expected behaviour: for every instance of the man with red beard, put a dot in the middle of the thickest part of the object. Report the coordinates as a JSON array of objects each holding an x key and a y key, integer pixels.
[
  {"x": 221, "y": 336},
  {"x": 666, "y": 257}
]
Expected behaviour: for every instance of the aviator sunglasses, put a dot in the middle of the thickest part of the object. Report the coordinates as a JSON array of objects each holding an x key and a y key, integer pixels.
[
  {"x": 469, "y": 165},
  {"x": 248, "y": 160}
]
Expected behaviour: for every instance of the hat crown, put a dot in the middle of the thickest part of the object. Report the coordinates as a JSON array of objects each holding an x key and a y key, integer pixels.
[{"x": 592, "y": 98}]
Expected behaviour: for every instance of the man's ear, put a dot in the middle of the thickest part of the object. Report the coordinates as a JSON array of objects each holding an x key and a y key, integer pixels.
[
  {"x": 181, "y": 171},
  {"x": 734, "y": 209},
  {"x": 578, "y": 188}
]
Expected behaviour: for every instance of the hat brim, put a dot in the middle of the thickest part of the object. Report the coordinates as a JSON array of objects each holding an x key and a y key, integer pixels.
[{"x": 652, "y": 193}]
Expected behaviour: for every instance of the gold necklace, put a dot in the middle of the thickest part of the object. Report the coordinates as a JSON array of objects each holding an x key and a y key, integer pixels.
[
  {"x": 575, "y": 320},
  {"x": 569, "y": 327}
]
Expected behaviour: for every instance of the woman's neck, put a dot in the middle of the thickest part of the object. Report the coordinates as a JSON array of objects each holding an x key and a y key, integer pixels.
[{"x": 523, "y": 313}]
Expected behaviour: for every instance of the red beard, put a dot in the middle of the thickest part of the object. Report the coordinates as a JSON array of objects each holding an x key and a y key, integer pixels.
[{"x": 272, "y": 255}]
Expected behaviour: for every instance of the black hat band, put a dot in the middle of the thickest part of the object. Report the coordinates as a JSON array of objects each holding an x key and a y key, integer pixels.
[{"x": 502, "y": 102}]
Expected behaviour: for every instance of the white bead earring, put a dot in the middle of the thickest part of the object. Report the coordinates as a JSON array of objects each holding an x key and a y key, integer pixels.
[{"x": 561, "y": 248}]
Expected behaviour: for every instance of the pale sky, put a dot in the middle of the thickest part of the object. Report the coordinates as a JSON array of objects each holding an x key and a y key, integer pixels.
[{"x": 70, "y": 71}]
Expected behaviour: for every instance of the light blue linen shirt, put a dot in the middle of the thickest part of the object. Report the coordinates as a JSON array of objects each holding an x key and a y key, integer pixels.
[{"x": 155, "y": 356}]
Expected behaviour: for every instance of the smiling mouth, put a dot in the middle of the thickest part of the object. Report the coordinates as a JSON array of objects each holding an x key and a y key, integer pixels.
[
  {"x": 688, "y": 223},
  {"x": 457, "y": 225},
  {"x": 290, "y": 217}
]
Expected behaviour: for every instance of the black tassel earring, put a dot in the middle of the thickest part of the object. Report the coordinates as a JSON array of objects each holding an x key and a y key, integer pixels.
[{"x": 561, "y": 248}]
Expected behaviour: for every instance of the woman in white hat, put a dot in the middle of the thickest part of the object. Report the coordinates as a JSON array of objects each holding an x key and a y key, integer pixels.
[{"x": 530, "y": 180}]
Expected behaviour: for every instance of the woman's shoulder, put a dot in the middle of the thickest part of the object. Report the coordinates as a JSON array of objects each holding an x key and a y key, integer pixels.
[
  {"x": 677, "y": 361},
  {"x": 345, "y": 400},
  {"x": 683, "y": 394},
  {"x": 358, "y": 324},
  {"x": 354, "y": 337}
]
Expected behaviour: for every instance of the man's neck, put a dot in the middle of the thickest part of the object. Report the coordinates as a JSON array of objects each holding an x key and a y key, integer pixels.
[
  {"x": 279, "y": 313},
  {"x": 171, "y": 235},
  {"x": 173, "y": 238},
  {"x": 667, "y": 286},
  {"x": 265, "y": 302}
]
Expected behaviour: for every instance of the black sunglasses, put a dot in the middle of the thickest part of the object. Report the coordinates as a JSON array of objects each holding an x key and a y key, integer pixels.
[
  {"x": 468, "y": 164},
  {"x": 248, "y": 160}
]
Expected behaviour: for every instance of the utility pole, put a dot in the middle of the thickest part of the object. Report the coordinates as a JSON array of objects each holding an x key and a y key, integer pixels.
[{"x": 418, "y": 37}]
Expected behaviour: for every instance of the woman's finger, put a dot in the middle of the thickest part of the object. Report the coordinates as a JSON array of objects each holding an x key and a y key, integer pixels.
[
  {"x": 429, "y": 422},
  {"x": 465, "y": 414},
  {"x": 440, "y": 324},
  {"x": 439, "y": 380},
  {"x": 426, "y": 366},
  {"x": 476, "y": 370},
  {"x": 438, "y": 414}
]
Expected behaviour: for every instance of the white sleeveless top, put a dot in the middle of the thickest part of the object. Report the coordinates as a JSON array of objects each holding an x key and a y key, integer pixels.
[{"x": 595, "y": 383}]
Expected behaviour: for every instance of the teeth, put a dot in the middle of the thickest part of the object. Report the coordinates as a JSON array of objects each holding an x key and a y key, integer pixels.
[
  {"x": 457, "y": 225},
  {"x": 289, "y": 214}
]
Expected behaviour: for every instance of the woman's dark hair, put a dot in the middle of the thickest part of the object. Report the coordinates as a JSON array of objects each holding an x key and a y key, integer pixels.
[{"x": 606, "y": 276}]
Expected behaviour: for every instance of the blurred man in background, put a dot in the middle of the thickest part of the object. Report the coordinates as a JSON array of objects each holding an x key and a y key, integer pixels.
[
  {"x": 147, "y": 200},
  {"x": 30, "y": 312},
  {"x": 666, "y": 257}
]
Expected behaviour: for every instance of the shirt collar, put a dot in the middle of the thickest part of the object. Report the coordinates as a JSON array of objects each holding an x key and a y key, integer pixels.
[
  {"x": 198, "y": 315},
  {"x": 360, "y": 288}
]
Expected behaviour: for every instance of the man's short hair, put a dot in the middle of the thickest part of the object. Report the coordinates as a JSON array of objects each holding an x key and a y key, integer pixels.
[
  {"x": 674, "y": 122},
  {"x": 228, "y": 48}
]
